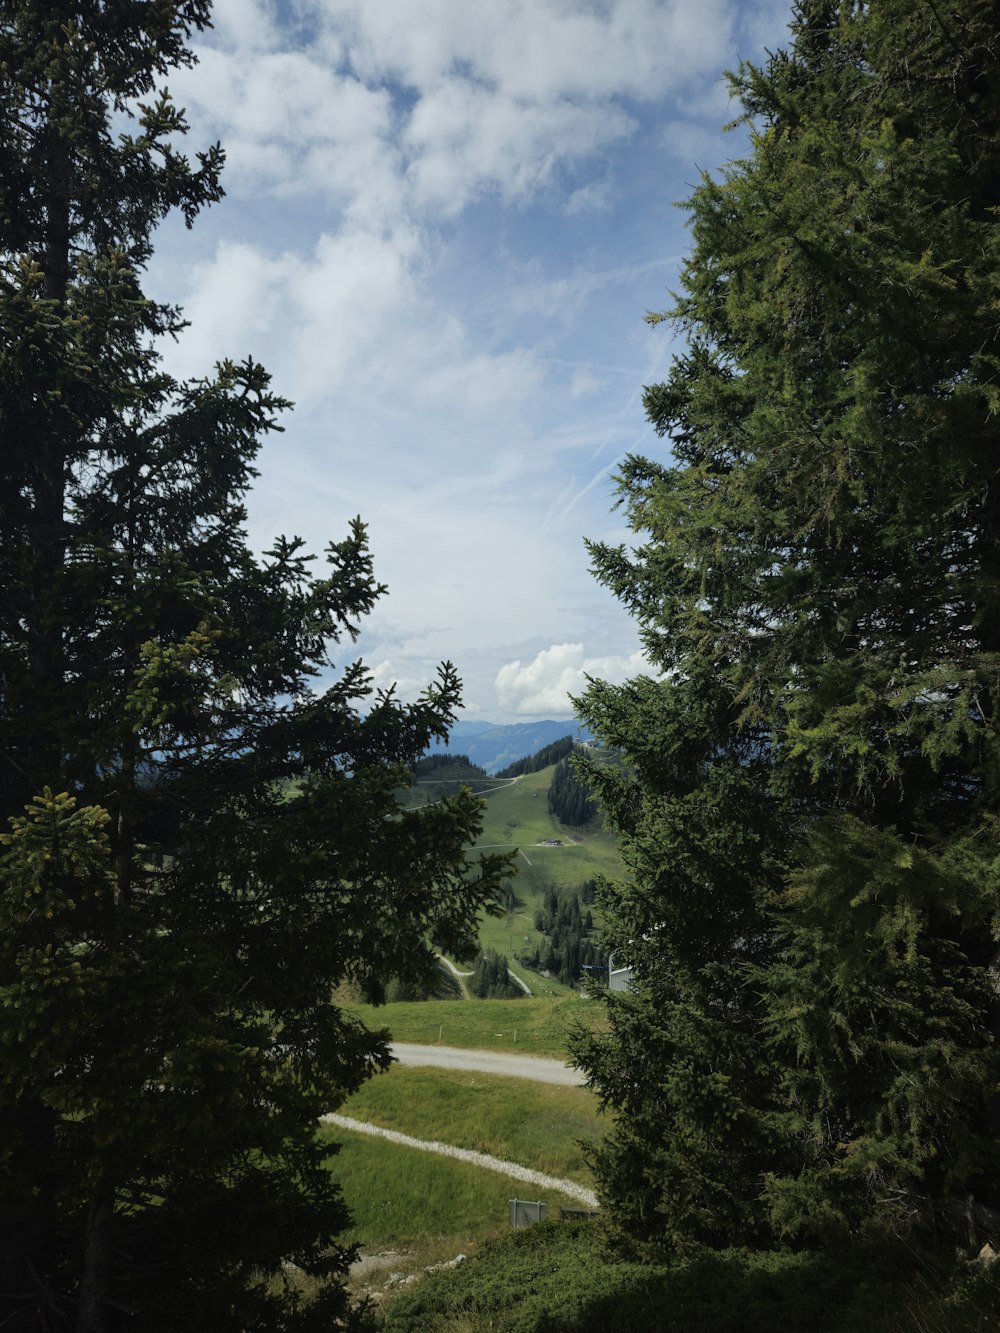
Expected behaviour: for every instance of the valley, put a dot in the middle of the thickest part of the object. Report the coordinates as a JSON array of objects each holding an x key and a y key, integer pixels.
[{"x": 420, "y": 1208}]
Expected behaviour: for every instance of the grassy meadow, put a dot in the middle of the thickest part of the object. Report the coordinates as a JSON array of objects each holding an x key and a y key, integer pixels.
[
  {"x": 517, "y": 816},
  {"x": 537, "y": 1026},
  {"x": 425, "y": 1208},
  {"x": 416, "y": 1208},
  {"x": 533, "y": 1124},
  {"x": 432, "y": 1206}
]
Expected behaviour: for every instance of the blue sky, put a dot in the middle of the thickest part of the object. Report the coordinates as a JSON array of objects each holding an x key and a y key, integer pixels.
[{"x": 444, "y": 222}]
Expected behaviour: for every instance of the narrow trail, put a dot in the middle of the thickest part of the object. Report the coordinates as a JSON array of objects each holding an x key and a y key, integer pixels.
[
  {"x": 518, "y": 981},
  {"x": 509, "y": 1063},
  {"x": 480, "y": 1159},
  {"x": 450, "y": 967}
]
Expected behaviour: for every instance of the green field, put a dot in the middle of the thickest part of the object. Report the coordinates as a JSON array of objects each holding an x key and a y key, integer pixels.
[
  {"x": 517, "y": 816},
  {"x": 432, "y": 1205},
  {"x": 534, "y": 1124},
  {"x": 534, "y": 1026},
  {"x": 424, "y": 1207},
  {"x": 517, "y": 820}
]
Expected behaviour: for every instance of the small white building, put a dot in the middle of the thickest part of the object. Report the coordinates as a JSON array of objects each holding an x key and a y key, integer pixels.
[{"x": 619, "y": 978}]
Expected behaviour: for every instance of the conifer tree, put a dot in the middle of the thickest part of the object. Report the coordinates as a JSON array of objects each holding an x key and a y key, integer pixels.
[
  {"x": 809, "y": 806},
  {"x": 202, "y": 842}
]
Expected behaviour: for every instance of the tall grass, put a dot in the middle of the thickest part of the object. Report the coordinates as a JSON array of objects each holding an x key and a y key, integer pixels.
[
  {"x": 533, "y": 1124},
  {"x": 404, "y": 1197}
]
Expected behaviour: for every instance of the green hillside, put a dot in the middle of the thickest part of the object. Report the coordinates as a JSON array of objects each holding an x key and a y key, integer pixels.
[
  {"x": 441, "y": 775},
  {"x": 550, "y": 855}
]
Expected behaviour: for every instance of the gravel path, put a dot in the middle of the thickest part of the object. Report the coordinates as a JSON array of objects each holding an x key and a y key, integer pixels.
[
  {"x": 481, "y": 1159},
  {"x": 488, "y": 1062}
]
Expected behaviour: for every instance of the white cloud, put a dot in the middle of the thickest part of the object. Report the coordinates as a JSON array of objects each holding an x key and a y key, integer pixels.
[
  {"x": 332, "y": 309},
  {"x": 390, "y": 107},
  {"x": 532, "y": 49},
  {"x": 247, "y": 24},
  {"x": 464, "y": 138},
  {"x": 595, "y": 197},
  {"x": 443, "y": 224},
  {"x": 293, "y": 124},
  {"x": 407, "y": 686},
  {"x": 542, "y": 687}
]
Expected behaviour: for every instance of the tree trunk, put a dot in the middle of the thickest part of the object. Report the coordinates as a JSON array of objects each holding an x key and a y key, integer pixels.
[{"x": 95, "y": 1285}]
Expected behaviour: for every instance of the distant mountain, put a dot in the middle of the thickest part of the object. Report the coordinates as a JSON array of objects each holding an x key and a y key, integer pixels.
[{"x": 493, "y": 746}]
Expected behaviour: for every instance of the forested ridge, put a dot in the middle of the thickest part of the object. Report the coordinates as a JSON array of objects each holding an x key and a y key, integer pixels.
[
  {"x": 569, "y": 797},
  {"x": 548, "y": 754},
  {"x": 572, "y": 947}
]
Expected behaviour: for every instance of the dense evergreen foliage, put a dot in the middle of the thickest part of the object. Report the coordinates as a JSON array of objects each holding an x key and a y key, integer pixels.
[
  {"x": 569, "y": 948},
  {"x": 569, "y": 798},
  {"x": 446, "y": 765},
  {"x": 571, "y": 1277},
  {"x": 490, "y": 978},
  {"x": 440, "y": 775},
  {"x": 202, "y": 840},
  {"x": 549, "y": 754},
  {"x": 809, "y": 810}
]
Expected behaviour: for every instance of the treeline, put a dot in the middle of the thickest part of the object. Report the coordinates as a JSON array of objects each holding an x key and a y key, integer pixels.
[
  {"x": 431, "y": 763},
  {"x": 569, "y": 946},
  {"x": 438, "y": 775},
  {"x": 490, "y": 978},
  {"x": 569, "y": 799},
  {"x": 534, "y": 763}
]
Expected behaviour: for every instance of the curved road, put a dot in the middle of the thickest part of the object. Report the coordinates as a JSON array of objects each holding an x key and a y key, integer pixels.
[{"x": 488, "y": 1062}]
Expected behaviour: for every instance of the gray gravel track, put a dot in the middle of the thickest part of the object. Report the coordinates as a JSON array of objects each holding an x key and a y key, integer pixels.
[
  {"x": 488, "y": 1062},
  {"x": 480, "y": 1159}
]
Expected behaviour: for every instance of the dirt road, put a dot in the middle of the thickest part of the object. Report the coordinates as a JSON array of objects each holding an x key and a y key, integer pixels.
[
  {"x": 481, "y": 1159},
  {"x": 488, "y": 1062}
]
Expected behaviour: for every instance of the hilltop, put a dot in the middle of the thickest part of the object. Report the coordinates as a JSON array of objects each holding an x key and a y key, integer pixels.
[{"x": 494, "y": 745}]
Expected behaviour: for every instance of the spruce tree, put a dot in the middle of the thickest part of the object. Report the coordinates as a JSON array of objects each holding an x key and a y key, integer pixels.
[
  {"x": 809, "y": 806},
  {"x": 202, "y": 841}
]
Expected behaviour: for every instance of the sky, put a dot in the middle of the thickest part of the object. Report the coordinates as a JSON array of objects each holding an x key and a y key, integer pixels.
[{"x": 444, "y": 221}]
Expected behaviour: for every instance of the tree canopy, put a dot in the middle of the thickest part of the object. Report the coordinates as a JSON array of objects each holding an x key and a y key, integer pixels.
[
  {"x": 568, "y": 797},
  {"x": 809, "y": 808},
  {"x": 534, "y": 763},
  {"x": 202, "y": 838}
]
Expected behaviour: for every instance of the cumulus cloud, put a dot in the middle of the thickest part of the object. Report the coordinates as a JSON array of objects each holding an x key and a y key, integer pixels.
[
  {"x": 392, "y": 109},
  {"x": 533, "y": 49},
  {"x": 407, "y": 684},
  {"x": 332, "y": 308},
  {"x": 542, "y": 687}
]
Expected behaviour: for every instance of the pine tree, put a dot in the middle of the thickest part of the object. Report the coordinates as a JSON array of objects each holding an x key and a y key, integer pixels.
[
  {"x": 568, "y": 798},
  {"x": 201, "y": 843},
  {"x": 809, "y": 805}
]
